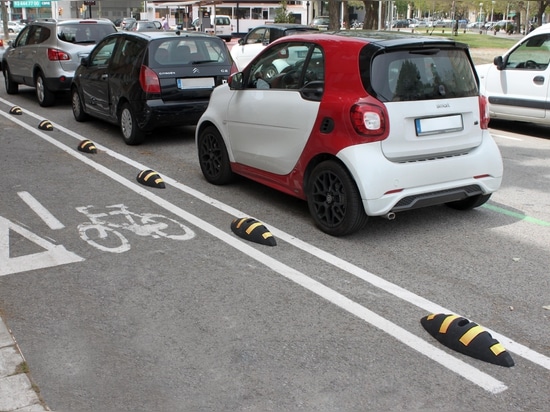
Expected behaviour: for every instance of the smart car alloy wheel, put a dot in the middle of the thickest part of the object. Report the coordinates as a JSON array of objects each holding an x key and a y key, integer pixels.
[
  {"x": 213, "y": 157},
  {"x": 334, "y": 201}
]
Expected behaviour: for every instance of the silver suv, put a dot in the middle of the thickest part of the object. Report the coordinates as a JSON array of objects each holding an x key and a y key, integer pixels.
[{"x": 47, "y": 52}]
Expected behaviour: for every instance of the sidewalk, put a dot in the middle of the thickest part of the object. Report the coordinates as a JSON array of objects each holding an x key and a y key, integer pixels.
[{"x": 16, "y": 389}]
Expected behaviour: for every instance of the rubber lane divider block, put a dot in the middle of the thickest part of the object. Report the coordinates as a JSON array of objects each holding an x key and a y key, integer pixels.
[
  {"x": 16, "y": 110},
  {"x": 87, "y": 146},
  {"x": 45, "y": 125},
  {"x": 150, "y": 178},
  {"x": 254, "y": 231},
  {"x": 466, "y": 337}
]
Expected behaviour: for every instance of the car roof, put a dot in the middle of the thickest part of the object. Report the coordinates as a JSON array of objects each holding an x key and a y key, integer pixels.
[
  {"x": 382, "y": 39},
  {"x": 159, "y": 34},
  {"x": 71, "y": 21}
]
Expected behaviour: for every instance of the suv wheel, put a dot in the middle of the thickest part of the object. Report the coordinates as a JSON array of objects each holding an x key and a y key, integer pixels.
[
  {"x": 45, "y": 96},
  {"x": 11, "y": 86},
  {"x": 76, "y": 103},
  {"x": 213, "y": 157},
  {"x": 334, "y": 200},
  {"x": 131, "y": 133}
]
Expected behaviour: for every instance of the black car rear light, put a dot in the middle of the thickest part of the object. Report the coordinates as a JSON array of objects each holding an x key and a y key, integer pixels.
[{"x": 149, "y": 80}]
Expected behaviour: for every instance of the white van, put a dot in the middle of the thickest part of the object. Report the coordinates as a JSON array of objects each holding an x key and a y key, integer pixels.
[{"x": 221, "y": 27}]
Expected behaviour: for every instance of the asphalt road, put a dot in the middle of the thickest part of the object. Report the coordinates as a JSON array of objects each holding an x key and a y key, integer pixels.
[{"x": 193, "y": 318}]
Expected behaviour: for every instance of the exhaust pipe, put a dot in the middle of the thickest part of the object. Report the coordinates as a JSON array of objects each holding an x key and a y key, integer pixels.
[{"x": 389, "y": 216}]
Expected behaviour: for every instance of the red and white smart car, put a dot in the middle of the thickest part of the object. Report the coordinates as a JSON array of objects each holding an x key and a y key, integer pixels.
[{"x": 358, "y": 124}]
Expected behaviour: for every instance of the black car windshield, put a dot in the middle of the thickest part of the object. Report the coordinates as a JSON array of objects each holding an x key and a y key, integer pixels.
[
  {"x": 199, "y": 50},
  {"x": 81, "y": 33}
]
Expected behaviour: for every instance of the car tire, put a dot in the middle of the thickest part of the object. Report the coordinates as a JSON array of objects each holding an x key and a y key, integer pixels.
[
  {"x": 76, "y": 103},
  {"x": 213, "y": 157},
  {"x": 45, "y": 96},
  {"x": 131, "y": 133},
  {"x": 11, "y": 86},
  {"x": 469, "y": 203},
  {"x": 334, "y": 200}
]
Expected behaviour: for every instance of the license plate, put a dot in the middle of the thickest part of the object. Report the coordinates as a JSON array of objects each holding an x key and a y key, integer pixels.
[
  {"x": 196, "y": 83},
  {"x": 434, "y": 125}
]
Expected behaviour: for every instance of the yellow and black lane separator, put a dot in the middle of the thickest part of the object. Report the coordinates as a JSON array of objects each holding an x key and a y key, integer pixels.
[
  {"x": 150, "y": 178},
  {"x": 466, "y": 337},
  {"x": 252, "y": 230},
  {"x": 16, "y": 110},
  {"x": 45, "y": 125},
  {"x": 87, "y": 146}
]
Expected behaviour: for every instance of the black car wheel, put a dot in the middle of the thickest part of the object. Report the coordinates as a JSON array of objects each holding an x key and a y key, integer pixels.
[
  {"x": 11, "y": 86},
  {"x": 213, "y": 157},
  {"x": 334, "y": 200},
  {"x": 45, "y": 96},
  {"x": 469, "y": 203},
  {"x": 78, "y": 111},
  {"x": 131, "y": 133}
]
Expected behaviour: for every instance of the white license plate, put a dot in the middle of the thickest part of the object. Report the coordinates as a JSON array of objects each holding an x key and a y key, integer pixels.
[
  {"x": 196, "y": 83},
  {"x": 443, "y": 124}
]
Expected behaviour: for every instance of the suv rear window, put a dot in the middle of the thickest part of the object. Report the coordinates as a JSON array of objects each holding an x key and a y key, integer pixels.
[
  {"x": 83, "y": 33},
  {"x": 421, "y": 74},
  {"x": 168, "y": 52}
]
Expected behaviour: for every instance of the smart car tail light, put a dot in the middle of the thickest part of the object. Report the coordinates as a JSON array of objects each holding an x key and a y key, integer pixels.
[
  {"x": 483, "y": 112},
  {"x": 369, "y": 120},
  {"x": 149, "y": 80},
  {"x": 56, "y": 55}
]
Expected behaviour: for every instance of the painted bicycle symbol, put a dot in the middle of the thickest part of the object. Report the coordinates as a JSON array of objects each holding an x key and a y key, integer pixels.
[{"x": 101, "y": 232}]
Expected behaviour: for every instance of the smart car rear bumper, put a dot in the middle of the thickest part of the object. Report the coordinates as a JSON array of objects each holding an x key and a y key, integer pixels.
[{"x": 390, "y": 186}]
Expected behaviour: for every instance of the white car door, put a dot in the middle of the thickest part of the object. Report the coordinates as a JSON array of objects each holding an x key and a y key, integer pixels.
[
  {"x": 250, "y": 46},
  {"x": 519, "y": 90},
  {"x": 269, "y": 128}
]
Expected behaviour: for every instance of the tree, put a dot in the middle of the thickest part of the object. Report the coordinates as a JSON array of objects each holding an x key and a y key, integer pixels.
[
  {"x": 371, "y": 14},
  {"x": 283, "y": 15}
]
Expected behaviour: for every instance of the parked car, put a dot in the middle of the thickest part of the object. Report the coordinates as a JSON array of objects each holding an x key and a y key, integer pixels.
[
  {"x": 259, "y": 37},
  {"x": 46, "y": 53},
  {"x": 144, "y": 25},
  {"x": 320, "y": 22},
  {"x": 126, "y": 22},
  {"x": 219, "y": 25},
  {"x": 516, "y": 84},
  {"x": 507, "y": 26},
  {"x": 15, "y": 27},
  {"x": 360, "y": 124},
  {"x": 144, "y": 80},
  {"x": 418, "y": 24},
  {"x": 399, "y": 24}
]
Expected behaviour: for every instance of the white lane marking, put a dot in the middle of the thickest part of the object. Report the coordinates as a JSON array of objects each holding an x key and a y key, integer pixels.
[
  {"x": 362, "y": 274},
  {"x": 54, "y": 255},
  {"x": 41, "y": 211},
  {"x": 450, "y": 362},
  {"x": 506, "y": 137}
]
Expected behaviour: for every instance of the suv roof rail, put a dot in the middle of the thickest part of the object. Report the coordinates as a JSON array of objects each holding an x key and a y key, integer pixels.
[{"x": 46, "y": 19}]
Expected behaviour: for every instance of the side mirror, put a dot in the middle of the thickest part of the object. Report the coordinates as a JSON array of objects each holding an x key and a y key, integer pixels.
[
  {"x": 241, "y": 41},
  {"x": 499, "y": 62},
  {"x": 85, "y": 61},
  {"x": 235, "y": 81}
]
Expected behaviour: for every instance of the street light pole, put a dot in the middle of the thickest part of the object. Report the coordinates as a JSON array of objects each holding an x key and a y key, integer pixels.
[
  {"x": 492, "y": 8},
  {"x": 307, "y": 12}
]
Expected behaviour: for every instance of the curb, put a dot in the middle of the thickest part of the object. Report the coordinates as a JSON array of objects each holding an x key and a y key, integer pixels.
[{"x": 17, "y": 392}]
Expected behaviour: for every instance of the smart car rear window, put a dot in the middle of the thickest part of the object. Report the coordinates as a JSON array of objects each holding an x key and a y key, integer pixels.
[{"x": 420, "y": 74}]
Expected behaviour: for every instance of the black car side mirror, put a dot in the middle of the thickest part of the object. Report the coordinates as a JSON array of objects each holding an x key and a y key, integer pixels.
[
  {"x": 85, "y": 61},
  {"x": 499, "y": 62},
  {"x": 236, "y": 81}
]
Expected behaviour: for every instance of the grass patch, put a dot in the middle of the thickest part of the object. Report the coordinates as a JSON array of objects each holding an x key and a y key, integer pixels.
[
  {"x": 475, "y": 40},
  {"x": 22, "y": 368}
]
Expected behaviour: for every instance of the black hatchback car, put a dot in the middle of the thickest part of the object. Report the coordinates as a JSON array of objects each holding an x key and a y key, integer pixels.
[{"x": 145, "y": 80}]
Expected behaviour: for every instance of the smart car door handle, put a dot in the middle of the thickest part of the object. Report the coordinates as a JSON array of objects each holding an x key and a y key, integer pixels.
[{"x": 538, "y": 80}]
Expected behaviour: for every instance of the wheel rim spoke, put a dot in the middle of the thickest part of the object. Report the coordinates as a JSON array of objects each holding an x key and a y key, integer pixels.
[{"x": 329, "y": 198}]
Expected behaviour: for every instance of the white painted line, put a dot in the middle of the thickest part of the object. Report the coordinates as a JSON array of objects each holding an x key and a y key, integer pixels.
[
  {"x": 41, "y": 211},
  {"x": 450, "y": 362},
  {"x": 506, "y": 137}
]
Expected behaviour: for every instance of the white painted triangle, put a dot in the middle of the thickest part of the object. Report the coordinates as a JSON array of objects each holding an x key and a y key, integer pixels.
[{"x": 53, "y": 255}]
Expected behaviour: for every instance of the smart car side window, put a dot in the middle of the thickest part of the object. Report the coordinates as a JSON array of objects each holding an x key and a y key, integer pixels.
[{"x": 533, "y": 54}]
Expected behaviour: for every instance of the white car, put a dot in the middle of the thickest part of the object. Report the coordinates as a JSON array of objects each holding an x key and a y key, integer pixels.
[
  {"x": 517, "y": 83},
  {"x": 357, "y": 126},
  {"x": 259, "y": 37},
  {"x": 14, "y": 27}
]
